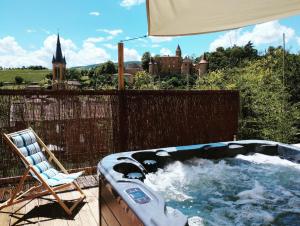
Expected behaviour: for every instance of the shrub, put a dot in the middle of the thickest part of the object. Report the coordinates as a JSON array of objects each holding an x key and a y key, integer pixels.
[{"x": 19, "y": 80}]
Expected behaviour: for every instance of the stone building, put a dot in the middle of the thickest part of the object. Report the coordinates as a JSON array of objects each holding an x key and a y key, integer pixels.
[
  {"x": 132, "y": 68},
  {"x": 175, "y": 65}
]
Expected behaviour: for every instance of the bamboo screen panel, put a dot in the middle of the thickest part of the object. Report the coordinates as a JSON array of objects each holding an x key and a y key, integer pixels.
[{"x": 83, "y": 126}]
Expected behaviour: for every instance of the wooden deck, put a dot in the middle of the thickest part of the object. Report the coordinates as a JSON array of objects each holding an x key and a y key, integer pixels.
[{"x": 44, "y": 211}]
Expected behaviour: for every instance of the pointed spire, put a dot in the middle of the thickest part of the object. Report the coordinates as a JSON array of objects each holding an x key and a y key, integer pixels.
[
  {"x": 178, "y": 51},
  {"x": 53, "y": 59},
  {"x": 58, "y": 54}
]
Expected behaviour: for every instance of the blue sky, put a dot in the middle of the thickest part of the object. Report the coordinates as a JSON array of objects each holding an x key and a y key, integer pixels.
[{"x": 91, "y": 29}]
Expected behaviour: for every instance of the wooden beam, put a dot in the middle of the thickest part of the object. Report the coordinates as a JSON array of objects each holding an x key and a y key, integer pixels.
[{"x": 121, "y": 66}]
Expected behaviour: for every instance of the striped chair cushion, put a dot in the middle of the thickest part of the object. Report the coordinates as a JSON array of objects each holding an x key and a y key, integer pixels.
[{"x": 31, "y": 150}]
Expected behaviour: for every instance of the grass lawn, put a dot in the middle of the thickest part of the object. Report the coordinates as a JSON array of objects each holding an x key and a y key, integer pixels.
[{"x": 27, "y": 75}]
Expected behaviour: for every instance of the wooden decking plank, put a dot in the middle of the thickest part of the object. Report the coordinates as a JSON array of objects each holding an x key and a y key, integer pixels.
[
  {"x": 43, "y": 221},
  {"x": 5, "y": 216},
  {"x": 43, "y": 212},
  {"x": 63, "y": 217},
  {"x": 76, "y": 221},
  {"x": 28, "y": 220},
  {"x": 103, "y": 222},
  {"x": 93, "y": 204},
  {"x": 18, "y": 211},
  {"x": 86, "y": 215}
]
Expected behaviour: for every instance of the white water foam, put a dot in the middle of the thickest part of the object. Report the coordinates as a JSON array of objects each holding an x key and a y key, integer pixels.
[
  {"x": 246, "y": 190},
  {"x": 265, "y": 159}
]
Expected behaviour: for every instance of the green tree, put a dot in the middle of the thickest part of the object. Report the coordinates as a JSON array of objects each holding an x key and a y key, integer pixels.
[
  {"x": 106, "y": 68},
  {"x": 146, "y": 60},
  {"x": 73, "y": 74},
  {"x": 236, "y": 56},
  {"x": 266, "y": 112},
  {"x": 19, "y": 80},
  {"x": 143, "y": 80}
]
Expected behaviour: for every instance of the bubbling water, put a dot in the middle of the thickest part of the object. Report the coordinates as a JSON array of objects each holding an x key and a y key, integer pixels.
[{"x": 245, "y": 190}]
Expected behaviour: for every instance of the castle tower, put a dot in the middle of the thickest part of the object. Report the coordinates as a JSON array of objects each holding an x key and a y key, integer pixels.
[
  {"x": 203, "y": 65},
  {"x": 186, "y": 66},
  {"x": 151, "y": 67},
  {"x": 178, "y": 51},
  {"x": 58, "y": 64}
]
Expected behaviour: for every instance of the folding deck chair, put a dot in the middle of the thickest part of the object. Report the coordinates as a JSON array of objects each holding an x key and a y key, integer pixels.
[{"x": 27, "y": 145}]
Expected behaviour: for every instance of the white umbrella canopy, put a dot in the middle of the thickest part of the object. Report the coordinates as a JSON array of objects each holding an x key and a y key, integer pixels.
[{"x": 187, "y": 17}]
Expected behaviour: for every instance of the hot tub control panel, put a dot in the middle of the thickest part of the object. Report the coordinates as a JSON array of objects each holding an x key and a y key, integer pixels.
[{"x": 138, "y": 195}]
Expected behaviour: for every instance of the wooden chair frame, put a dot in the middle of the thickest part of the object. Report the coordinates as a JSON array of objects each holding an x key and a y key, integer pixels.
[{"x": 20, "y": 196}]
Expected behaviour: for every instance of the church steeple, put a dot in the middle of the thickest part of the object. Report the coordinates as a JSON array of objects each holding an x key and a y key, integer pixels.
[
  {"x": 59, "y": 63},
  {"x": 58, "y": 54},
  {"x": 178, "y": 51}
]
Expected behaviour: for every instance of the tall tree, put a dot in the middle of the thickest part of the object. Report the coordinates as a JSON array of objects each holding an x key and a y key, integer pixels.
[
  {"x": 106, "y": 68},
  {"x": 146, "y": 60}
]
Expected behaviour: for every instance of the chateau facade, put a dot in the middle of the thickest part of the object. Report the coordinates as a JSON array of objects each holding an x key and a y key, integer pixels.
[{"x": 175, "y": 65}]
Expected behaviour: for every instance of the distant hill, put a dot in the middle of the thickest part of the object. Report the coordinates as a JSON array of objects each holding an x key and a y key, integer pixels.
[
  {"x": 26, "y": 74},
  {"x": 96, "y": 65}
]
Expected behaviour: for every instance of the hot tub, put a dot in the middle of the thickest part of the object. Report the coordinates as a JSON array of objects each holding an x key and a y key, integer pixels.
[{"x": 126, "y": 200}]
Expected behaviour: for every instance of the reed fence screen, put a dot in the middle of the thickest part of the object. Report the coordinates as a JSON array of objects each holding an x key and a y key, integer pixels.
[{"x": 83, "y": 126}]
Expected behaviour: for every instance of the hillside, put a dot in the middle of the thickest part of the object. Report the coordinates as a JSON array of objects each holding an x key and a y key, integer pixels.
[
  {"x": 26, "y": 74},
  {"x": 96, "y": 65}
]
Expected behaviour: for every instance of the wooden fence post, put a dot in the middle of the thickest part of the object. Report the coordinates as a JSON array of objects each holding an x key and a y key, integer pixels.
[
  {"x": 122, "y": 117},
  {"x": 121, "y": 66}
]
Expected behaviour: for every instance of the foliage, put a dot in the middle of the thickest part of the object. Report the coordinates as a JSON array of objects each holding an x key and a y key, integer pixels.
[
  {"x": 143, "y": 80},
  {"x": 49, "y": 75},
  {"x": 85, "y": 81},
  {"x": 146, "y": 60},
  {"x": 231, "y": 57},
  {"x": 102, "y": 81},
  {"x": 266, "y": 112},
  {"x": 106, "y": 68},
  {"x": 36, "y": 68},
  {"x": 73, "y": 74},
  {"x": 19, "y": 80}
]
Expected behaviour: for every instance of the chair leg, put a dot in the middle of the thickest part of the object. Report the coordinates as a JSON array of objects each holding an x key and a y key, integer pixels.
[
  {"x": 78, "y": 188},
  {"x": 61, "y": 203},
  {"x": 11, "y": 200}
]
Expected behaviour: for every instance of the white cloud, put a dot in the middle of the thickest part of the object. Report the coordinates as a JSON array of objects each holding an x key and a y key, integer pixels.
[
  {"x": 114, "y": 32},
  {"x": 160, "y": 39},
  {"x": 298, "y": 40},
  {"x": 131, "y": 55},
  {"x": 94, "y": 14},
  {"x": 13, "y": 55},
  {"x": 95, "y": 39},
  {"x": 155, "y": 46},
  {"x": 30, "y": 30},
  {"x": 266, "y": 33},
  {"x": 165, "y": 51},
  {"x": 129, "y": 3},
  {"x": 8, "y": 45},
  {"x": 110, "y": 46}
]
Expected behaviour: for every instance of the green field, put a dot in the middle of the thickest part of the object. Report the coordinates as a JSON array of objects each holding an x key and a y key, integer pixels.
[{"x": 27, "y": 75}]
